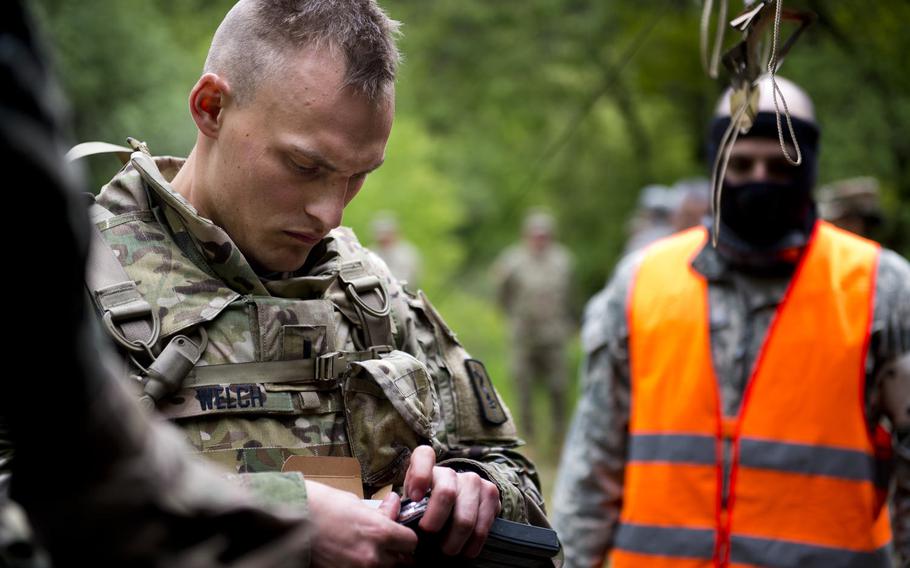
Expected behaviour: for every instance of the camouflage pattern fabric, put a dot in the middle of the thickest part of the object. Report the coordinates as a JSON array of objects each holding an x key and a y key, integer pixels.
[
  {"x": 193, "y": 275},
  {"x": 546, "y": 364},
  {"x": 588, "y": 495},
  {"x": 533, "y": 289}
]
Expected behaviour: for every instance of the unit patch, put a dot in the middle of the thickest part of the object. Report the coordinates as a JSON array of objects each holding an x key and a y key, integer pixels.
[{"x": 490, "y": 407}]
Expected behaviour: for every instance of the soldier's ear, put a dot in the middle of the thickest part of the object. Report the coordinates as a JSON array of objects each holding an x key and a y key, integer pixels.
[{"x": 207, "y": 101}]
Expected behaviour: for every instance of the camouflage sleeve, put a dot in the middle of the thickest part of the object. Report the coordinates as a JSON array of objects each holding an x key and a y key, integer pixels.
[
  {"x": 900, "y": 506},
  {"x": 588, "y": 494},
  {"x": 891, "y": 363},
  {"x": 474, "y": 430}
]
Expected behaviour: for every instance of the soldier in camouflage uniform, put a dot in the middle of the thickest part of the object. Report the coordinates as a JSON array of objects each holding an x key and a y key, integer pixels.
[
  {"x": 653, "y": 218},
  {"x": 269, "y": 331},
  {"x": 746, "y": 285},
  {"x": 533, "y": 281},
  {"x": 853, "y": 205},
  {"x": 402, "y": 257}
]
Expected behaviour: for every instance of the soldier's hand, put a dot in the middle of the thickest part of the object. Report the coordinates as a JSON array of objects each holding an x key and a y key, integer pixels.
[
  {"x": 347, "y": 533},
  {"x": 462, "y": 503}
]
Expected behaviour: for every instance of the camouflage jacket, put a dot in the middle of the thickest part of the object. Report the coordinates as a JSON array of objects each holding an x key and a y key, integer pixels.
[
  {"x": 534, "y": 291},
  {"x": 589, "y": 488},
  {"x": 292, "y": 365}
]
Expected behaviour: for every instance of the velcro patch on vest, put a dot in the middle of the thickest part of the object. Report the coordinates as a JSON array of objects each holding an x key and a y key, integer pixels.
[
  {"x": 218, "y": 397},
  {"x": 490, "y": 407},
  {"x": 224, "y": 399}
]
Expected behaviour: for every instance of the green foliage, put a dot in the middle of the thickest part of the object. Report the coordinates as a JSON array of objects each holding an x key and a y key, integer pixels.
[
  {"x": 120, "y": 65},
  {"x": 507, "y": 104},
  {"x": 409, "y": 176}
]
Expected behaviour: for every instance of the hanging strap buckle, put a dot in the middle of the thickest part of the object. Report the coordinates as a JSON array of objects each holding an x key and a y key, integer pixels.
[
  {"x": 167, "y": 372},
  {"x": 334, "y": 365},
  {"x": 126, "y": 314},
  {"x": 364, "y": 285}
]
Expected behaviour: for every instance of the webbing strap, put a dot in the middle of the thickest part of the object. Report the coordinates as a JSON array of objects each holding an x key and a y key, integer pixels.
[{"x": 328, "y": 367}]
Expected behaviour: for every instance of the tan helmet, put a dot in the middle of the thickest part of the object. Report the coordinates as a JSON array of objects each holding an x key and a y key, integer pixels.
[
  {"x": 538, "y": 221},
  {"x": 854, "y": 196},
  {"x": 797, "y": 100},
  {"x": 384, "y": 223},
  {"x": 763, "y": 224}
]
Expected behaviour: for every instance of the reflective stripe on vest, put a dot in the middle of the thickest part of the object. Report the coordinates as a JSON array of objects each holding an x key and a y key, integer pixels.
[
  {"x": 804, "y": 482},
  {"x": 696, "y": 547},
  {"x": 760, "y": 454}
]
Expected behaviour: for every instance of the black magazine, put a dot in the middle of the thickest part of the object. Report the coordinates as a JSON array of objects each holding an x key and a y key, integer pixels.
[{"x": 509, "y": 544}]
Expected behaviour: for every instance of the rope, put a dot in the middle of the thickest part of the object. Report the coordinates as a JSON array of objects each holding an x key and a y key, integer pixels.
[
  {"x": 772, "y": 69},
  {"x": 711, "y": 66},
  {"x": 719, "y": 171}
]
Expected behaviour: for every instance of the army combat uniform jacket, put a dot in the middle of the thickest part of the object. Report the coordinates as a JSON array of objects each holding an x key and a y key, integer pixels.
[
  {"x": 335, "y": 359},
  {"x": 534, "y": 290}
]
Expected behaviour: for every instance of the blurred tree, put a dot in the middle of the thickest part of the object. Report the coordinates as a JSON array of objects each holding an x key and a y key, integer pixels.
[{"x": 124, "y": 73}]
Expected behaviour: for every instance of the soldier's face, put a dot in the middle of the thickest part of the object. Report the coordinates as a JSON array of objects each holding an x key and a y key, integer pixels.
[
  {"x": 756, "y": 160},
  {"x": 538, "y": 241},
  {"x": 286, "y": 163}
]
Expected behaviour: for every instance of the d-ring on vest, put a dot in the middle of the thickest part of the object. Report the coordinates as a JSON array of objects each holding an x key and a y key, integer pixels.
[{"x": 127, "y": 316}]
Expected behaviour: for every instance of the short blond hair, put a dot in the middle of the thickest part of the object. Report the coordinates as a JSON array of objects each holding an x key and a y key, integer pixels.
[{"x": 255, "y": 35}]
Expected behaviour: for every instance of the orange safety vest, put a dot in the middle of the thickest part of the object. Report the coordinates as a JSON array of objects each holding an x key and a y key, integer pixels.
[{"x": 804, "y": 484}]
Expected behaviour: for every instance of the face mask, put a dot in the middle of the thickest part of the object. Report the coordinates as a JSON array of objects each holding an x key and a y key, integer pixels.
[{"x": 762, "y": 214}]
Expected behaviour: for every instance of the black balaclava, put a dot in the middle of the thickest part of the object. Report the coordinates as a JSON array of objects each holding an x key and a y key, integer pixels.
[{"x": 761, "y": 223}]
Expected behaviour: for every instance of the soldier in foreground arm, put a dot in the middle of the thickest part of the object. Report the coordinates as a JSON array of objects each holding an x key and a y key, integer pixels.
[{"x": 474, "y": 429}]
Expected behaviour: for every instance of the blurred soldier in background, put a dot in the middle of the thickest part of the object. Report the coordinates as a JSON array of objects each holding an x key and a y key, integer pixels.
[
  {"x": 747, "y": 404},
  {"x": 664, "y": 210},
  {"x": 653, "y": 218},
  {"x": 693, "y": 203},
  {"x": 533, "y": 280},
  {"x": 853, "y": 205},
  {"x": 402, "y": 257}
]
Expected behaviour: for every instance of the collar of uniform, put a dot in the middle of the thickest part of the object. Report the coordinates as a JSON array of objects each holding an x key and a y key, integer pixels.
[
  {"x": 313, "y": 279},
  {"x": 758, "y": 292},
  {"x": 710, "y": 264},
  {"x": 190, "y": 229}
]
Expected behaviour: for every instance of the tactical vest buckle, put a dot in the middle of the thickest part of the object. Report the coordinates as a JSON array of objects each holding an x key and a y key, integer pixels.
[
  {"x": 375, "y": 317},
  {"x": 377, "y": 351},
  {"x": 331, "y": 365},
  {"x": 166, "y": 373},
  {"x": 123, "y": 311},
  {"x": 335, "y": 364},
  {"x": 354, "y": 287}
]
